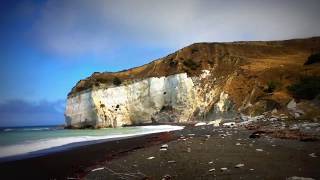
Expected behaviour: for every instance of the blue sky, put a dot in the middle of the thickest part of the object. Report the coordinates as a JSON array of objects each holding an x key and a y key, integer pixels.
[{"x": 47, "y": 46}]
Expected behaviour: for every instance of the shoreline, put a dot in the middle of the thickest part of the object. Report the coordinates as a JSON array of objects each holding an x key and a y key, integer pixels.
[
  {"x": 73, "y": 162},
  {"x": 196, "y": 152},
  {"x": 45, "y": 146}
]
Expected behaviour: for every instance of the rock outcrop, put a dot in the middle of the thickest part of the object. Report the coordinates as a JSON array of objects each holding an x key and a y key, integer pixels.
[{"x": 201, "y": 82}]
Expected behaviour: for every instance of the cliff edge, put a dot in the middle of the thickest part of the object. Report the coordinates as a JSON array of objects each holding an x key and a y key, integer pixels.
[{"x": 201, "y": 82}]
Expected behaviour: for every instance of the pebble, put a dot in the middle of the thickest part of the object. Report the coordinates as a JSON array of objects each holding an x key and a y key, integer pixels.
[
  {"x": 213, "y": 169},
  {"x": 171, "y": 161},
  {"x": 189, "y": 150},
  {"x": 229, "y": 124},
  {"x": 259, "y": 150},
  {"x": 166, "y": 177},
  {"x": 313, "y": 155},
  {"x": 223, "y": 169},
  {"x": 299, "y": 178},
  {"x": 211, "y": 162},
  {"x": 251, "y": 169},
  {"x": 165, "y": 146},
  {"x": 238, "y": 144},
  {"x": 239, "y": 165},
  {"x": 97, "y": 169},
  {"x": 151, "y": 157}
]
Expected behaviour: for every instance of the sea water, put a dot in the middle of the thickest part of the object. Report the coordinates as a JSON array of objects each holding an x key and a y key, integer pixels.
[{"x": 23, "y": 142}]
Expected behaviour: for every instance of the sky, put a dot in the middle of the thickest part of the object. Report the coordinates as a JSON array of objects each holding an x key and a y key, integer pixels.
[{"x": 47, "y": 46}]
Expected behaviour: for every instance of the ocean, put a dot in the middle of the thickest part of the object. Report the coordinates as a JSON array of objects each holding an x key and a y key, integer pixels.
[{"x": 24, "y": 142}]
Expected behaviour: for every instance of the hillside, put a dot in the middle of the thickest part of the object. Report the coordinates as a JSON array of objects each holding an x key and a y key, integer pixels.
[{"x": 255, "y": 76}]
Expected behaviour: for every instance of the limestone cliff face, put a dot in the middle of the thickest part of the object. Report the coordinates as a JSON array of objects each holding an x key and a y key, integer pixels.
[
  {"x": 203, "y": 81},
  {"x": 175, "y": 98}
]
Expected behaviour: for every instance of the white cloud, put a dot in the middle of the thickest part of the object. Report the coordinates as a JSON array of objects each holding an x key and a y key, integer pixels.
[{"x": 77, "y": 27}]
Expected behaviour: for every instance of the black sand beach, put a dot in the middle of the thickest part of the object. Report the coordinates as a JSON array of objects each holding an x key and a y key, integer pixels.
[
  {"x": 73, "y": 163},
  {"x": 202, "y": 152}
]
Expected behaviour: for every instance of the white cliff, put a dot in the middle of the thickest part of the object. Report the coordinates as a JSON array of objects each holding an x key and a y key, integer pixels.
[{"x": 175, "y": 98}]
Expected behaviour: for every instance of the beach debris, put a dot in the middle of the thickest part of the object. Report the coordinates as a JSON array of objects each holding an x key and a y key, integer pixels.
[
  {"x": 151, "y": 157},
  {"x": 211, "y": 162},
  {"x": 188, "y": 149},
  {"x": 97, "y": 169},
  {"x": 239, "y": 165},
  {"x": 223, "y": 169},
  {"x": 207, "y": 135},
  {"x": 200, "y": 124},
  {"x": 251, "y": 169},
  {"x": 273, "y": 145},
  {"x": 213, "y": 169},
  {"x": 257, "y": 134},
  {"x": 215, "y": 123},
  {"x": 304, "y": 125},
  {"x": 172, "y": 161},
  {"x": 313, "y": 155},
  {"x": 229, "y": 124},
  {"x": 273, "y": 119},
  {"x": 238, "y": 144},
  {"x": 166, "y": 177},
  {"x": 259, "y": 150},
  {"x": 137, "y": 175},
  {"x": 299, "y": 178},
  {"x": 164, "y": 147}
]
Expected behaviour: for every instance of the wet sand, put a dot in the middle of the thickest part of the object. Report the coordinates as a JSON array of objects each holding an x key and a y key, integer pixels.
[
  {"x": 193, "y": 153},
  {"x": 73, "y": 163}
]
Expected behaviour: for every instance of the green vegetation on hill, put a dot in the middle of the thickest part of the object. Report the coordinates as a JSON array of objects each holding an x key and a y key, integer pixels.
[
  {"x": 271, "y": 87},
  {"x": 313, "y": 58},
  {"x": 191, "y": 64},
  {"x": 116, "y": 81},
  {"x": 307, "y": 88}
]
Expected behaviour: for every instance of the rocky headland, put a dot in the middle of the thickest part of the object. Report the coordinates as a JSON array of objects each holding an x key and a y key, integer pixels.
[{"x": 204, "y": 82}]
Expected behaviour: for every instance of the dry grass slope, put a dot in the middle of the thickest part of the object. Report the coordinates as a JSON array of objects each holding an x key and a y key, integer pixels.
[{"x": 247, "y": 68}]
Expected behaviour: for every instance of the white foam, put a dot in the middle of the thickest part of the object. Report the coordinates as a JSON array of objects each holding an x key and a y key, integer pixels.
[
  {"x": 35, "y": 129},
  {"x": 29, "y": 147}
]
